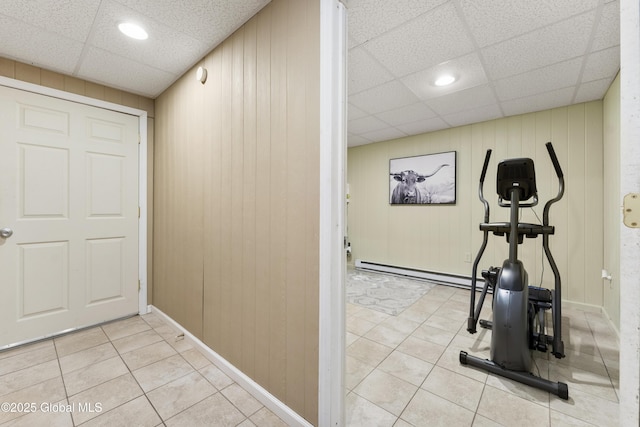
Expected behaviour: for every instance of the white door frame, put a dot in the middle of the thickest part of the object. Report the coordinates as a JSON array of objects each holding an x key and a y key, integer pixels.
[
  {"x": 333, "y": 94},
  {"x": 142, "y": 166}
]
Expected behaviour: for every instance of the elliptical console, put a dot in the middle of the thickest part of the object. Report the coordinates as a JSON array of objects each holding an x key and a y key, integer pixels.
[{"x": 518, "y": 309}]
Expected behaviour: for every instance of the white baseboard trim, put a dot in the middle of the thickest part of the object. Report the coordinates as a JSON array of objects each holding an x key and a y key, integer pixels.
[{"x": 276, "y": 406}]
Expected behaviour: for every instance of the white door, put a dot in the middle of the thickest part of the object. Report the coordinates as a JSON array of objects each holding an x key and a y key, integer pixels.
[{"x": 68, "y": 199}]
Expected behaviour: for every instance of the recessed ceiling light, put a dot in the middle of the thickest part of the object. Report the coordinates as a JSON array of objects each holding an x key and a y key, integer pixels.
[
  {"x": 133, "y": 30},
  {"x": 445, "y": 80}
]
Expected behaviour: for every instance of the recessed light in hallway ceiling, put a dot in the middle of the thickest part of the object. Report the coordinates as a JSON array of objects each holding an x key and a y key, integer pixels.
[{"x": 133, "y": 30}]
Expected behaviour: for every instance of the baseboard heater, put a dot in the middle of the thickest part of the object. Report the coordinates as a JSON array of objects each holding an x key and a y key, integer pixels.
[{"x": 432, "y": 276}]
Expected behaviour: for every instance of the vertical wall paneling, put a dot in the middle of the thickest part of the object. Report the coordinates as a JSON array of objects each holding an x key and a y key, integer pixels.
[
  {"x": 421, "y": 237},
  {"x": 245, "y": 145}
]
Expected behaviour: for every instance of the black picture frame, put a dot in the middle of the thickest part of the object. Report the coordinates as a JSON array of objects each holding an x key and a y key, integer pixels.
[{"x": 429, "y": 179}]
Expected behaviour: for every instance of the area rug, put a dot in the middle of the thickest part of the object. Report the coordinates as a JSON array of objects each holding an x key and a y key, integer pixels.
[{"x": 387, "y": 293}]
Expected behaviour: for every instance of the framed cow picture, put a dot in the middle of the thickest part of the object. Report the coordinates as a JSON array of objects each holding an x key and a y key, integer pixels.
[{"x": 423, "y": 180}]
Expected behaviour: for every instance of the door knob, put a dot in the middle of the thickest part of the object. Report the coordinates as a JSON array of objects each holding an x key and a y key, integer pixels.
[{"x": 5, "y": 233}]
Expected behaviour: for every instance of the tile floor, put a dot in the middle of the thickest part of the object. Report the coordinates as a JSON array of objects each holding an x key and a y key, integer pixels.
[
  {"x": 133, "y": 372},
  {"x": 404, "y": 370},
  {"x": 401, "y": 371}
]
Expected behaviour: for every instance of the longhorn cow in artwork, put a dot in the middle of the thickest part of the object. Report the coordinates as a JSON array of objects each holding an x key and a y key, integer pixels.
[{"x": 406, "y": 191}]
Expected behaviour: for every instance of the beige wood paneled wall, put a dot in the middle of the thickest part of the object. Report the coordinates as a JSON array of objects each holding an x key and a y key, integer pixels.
[
  {"x": 612, "y": 202},
  {"x": 441, "y": 238},
  {"x": 237, "y": 201},
  {"x": 40, "y": 76}
]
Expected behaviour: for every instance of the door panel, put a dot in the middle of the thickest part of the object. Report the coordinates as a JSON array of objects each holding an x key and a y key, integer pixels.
[{"x": 69, "y": 192}]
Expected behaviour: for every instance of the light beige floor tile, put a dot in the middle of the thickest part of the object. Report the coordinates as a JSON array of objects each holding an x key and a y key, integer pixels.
[
  {"x": 401, "y": 324},
  {"x": 510, "y": 410},
  {"x": 91, "y": 376},
  {"x": 441, "y": 292},
  {"x": 350, "y": 338},
  {"x": 162, "y": 372},
  {"x": 480, "y": 421},
  {"x": 406, "y": 367},
  {"x": 372, "y": 315},
  {"x": 216, "y": 377},
  {"x": 587, "y": 407},
  {"x": 428, "y": 409},
  {"x": 434, "y": 335},
  {"x": 355, "y": 371},
  {"x": 180, "y": 394},
  {"x": 241, "y": 399},
  {"x": 361, "y": 412},
  {"x": 588, "y": 382},
  {"x": 40, "y": 345},
  {"x": 453, "y": 311},
  {"x": 214, "y": 410},
  {"x": 125, "y": 327},
  {"x": 23, "y": 378},
  {"x": 386, "y": 336},
  {"x": 80, "y": 340},
  {"x": 386, "y": 391},
  {"x": 359, "y": 326},
  {"x": 558, "y": 419},
  {"x": 444, "y": 323},
  {"x": 456, "y": 388},
  {"x": 369, "y": 352},
  {"x": 106, "y": 396},
  {"x": 266, "y": 418},
  {"x": 137, "y": 412},
  {"x": 518, "y": 389},
  {"x": 136, "y": 341},
  {"x": 83, "y": 358},
  {"x": 246, "y": 423},
  {"x": 45, "y": 392},
  {"x": 195, "y": 358},
  {"x": 42, "y": 418},
  {"x": 19, "y": 360},
  {"x": 425, "y": 350},
  {"x": 402, "y": 423},
  {"x": 144, "y": 356},
  {"x": 587, "y": 362},
  {"x": 153, "y": 320}
]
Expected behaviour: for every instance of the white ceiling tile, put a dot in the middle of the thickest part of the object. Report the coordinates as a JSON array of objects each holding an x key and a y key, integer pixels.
[
  {"x": 209, "y": 21},
  {"x": 544, "y": 101},
  {"x": 165, "y": 49},
  {"x": 407, "y": 114},
  {"x": 603, "y": 64},
  {"x": 354, "y": 112},
  {"x": 467, "y": 69},
  {"x": 388, "y": 96},
  {"x": 384, "y": 134},
  {"x": 355, "y": 140},
  {"x": 367, "y": 19},
  {"x": 494, "y": 21},
  {"x": 565, "y": 40},
  {"x": 463, "y": 100},
  {"x": 553, "y": 77},
  {"x": 476, "y": 115},
  {"x": 62, "y": 17},
  {"x": 593, "y": 90},
  {"x": 430, "y": 39},
  {"x": 423, "y": 126},
  {"x": 38, "y": 47},
  {"x": 369, "y": 72},
  {"x": 365, "y": 124},
  {"x": 107, "y": 68},
  {"x": 608, "y": 30}
]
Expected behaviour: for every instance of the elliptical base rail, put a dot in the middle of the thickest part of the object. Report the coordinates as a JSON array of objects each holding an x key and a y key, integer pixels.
[{"x": 557, "y": 388}]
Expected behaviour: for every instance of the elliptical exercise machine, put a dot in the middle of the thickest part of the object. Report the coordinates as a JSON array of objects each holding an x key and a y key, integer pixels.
[{"x": 518, "y": 309}]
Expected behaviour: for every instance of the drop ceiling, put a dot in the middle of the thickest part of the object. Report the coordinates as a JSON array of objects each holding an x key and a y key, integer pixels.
[{"x": 509, "y": 57}]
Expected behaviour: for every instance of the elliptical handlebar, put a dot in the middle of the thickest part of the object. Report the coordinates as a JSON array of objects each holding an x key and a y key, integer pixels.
[
  {"x": 480, "y": 191},
  {"x": 554, "y": 159},
  {"x": 559, "y": 173}
]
